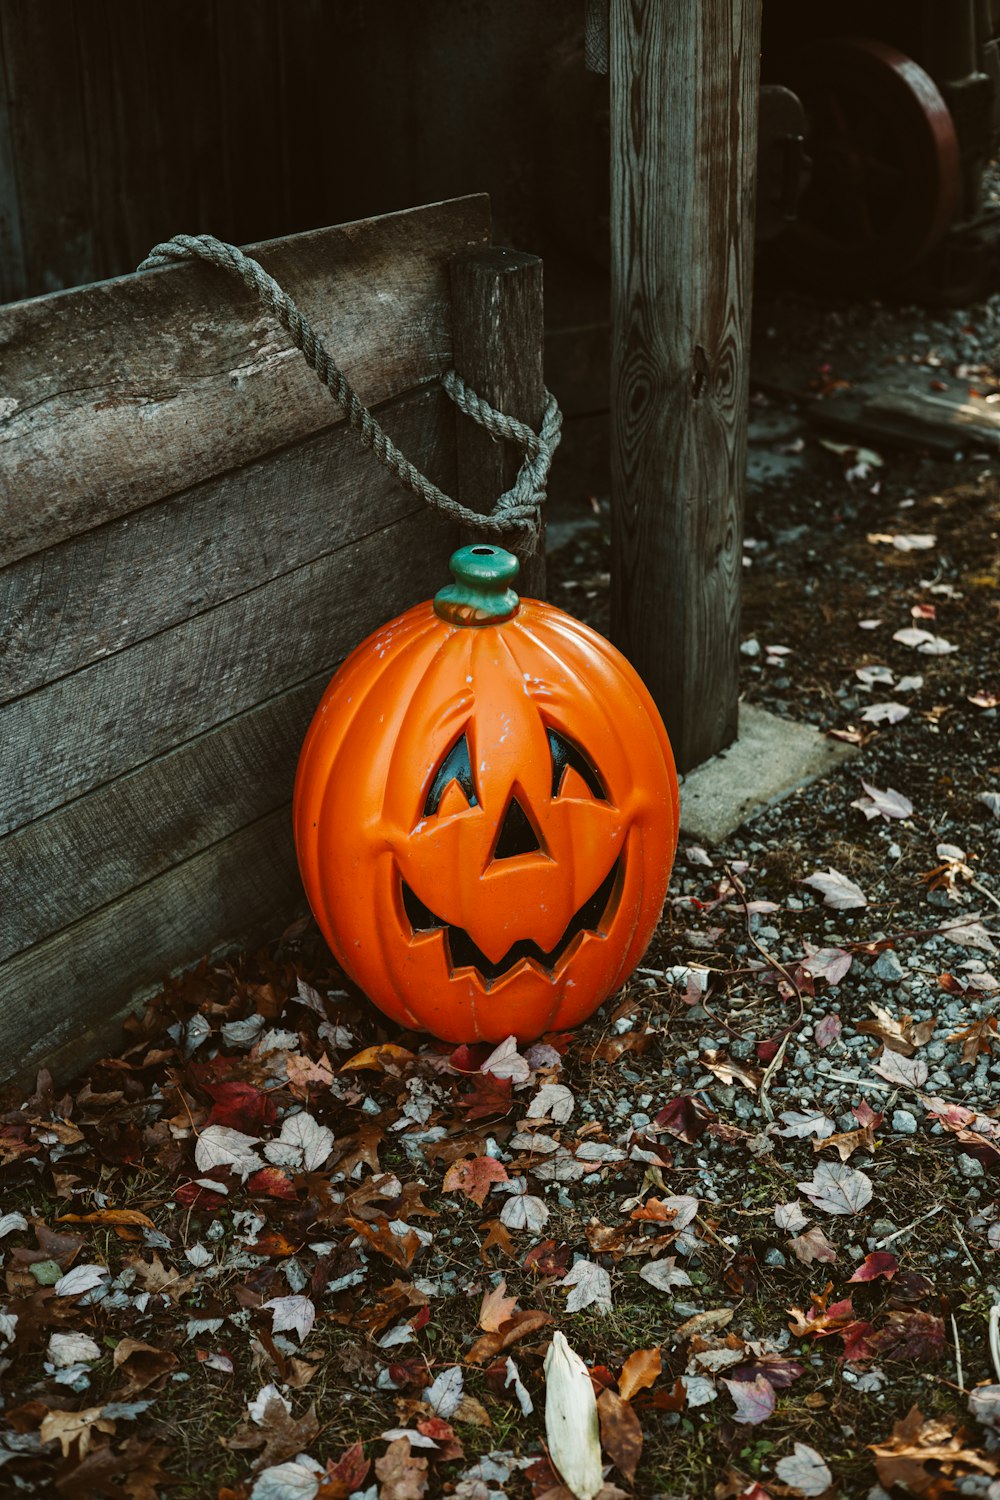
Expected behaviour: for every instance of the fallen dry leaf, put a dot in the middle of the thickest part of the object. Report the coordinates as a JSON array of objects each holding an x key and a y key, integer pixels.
[
  {"x": 621, "y": 1433},
  {"x": 640, "y": 1371}
]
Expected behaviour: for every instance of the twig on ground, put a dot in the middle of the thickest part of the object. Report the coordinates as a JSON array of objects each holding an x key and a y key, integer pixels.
[
  {"x": 968, "y": 1253},
  {"x": 995, "y": 1337},
  {"x": 958, "y": 1355},
  {"x": 881, "y": 1244}
]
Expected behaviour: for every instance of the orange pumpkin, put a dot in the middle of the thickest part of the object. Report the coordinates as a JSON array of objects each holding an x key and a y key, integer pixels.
[{"x": 486, "y": 813}]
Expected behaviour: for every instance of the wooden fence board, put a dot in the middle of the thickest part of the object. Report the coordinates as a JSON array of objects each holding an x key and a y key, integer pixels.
[
  {"x": 231, "y": 892},
  {"x": 118, "y": 713},
  {"x": 132, "y": 829},
  {"x": 131, "y": 390},
  {"x": 108, "y": 588}
]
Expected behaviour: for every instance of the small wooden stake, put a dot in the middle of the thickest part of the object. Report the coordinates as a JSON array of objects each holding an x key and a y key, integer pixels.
[{"x": 498, "y": 330}]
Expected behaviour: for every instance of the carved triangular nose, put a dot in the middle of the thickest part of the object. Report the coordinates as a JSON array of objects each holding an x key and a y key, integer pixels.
[{"x": 516, "y": 834}]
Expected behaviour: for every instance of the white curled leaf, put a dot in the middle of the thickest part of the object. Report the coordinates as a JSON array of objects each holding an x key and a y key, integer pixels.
[
  {"x": 554, "y": 1101},
  {"x": 71, "y": 1349},
  {"x": 506, "y": 1062},
  {"x": 289, "y": 1481},
  {"x": 590, "y": 1284},
  {"x": 514, "y": 1379},
  {"x": 221, "y": 1146},
  {"x": 297, "y": 1314},
  {"x": 303, "y": 1143},
  {"x": 444, "y": 1395},
  {"x": 804, "y": 1471},
  {"x": 572, "y": 1429},
  {"x": 80, "y": 1280},
  {"x": 524, "y": 1212},
  {"x": 10, "y": 1222}
]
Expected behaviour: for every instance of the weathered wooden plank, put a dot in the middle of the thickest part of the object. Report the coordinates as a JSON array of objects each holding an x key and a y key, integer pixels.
[
  {"x": 118, "y": 713},
  {"x": 233, "y": 892},
  {"x": 133, "y": 389},
  {"x": 130, "y": 830},
  {"x": 497, "y": 297},
  {"x": 683, "y": 140},
  {"x": 122, "y": 582},
  {"x": 46, "y": 114}
]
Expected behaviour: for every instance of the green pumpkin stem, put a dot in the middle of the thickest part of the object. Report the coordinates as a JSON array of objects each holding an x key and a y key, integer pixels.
[{"x": 481, "y": 593}]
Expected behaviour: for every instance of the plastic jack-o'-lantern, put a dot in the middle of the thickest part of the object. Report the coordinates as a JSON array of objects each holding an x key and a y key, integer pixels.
[{"x": 486, "y": 812}]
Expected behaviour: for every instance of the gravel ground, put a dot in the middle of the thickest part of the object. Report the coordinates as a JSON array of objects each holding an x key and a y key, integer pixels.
[{"x": 759, "y": 1193}]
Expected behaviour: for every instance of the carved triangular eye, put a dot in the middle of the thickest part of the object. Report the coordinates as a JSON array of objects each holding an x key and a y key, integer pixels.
[
  {"x": 517, "y": 835},
  {"x": 456, "y": 767},
  {"x": 566, "y": 757}
]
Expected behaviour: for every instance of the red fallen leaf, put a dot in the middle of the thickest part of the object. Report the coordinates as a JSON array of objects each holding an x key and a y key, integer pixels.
[
  {"x": 879, "y": 1263},
  {"x": 421, "y": 1318},
  {"x": 674, "y": 1400},
  {"x": 407, "y": 1373},
  {"x": 601, "y": 1378},
  {"x": 910, "y": 1287},
  {"x": 621, "y": 1433},
  {"x": 489, "y": 1095},
  {"x": 952, "y": 985},
  {"x": 469, "y": 1059},
  {"x": 198, "y": 1195},
  {"x": 754, "y": 1399},
  {"x": 780, "y": 1372},
  {"x": 684, "y": 1117},
  {"x": 767, "y": 1051},
  {"x": 351, "y": 1467},
  {"x": 271, "y": 1182},
  {"x": 444, "y": 1435},
  {"x": 542, "y": 1477},
  {"x": 474, "y": 1176},
  {"x": 910, "y": 1334},
  {"x": 855, "y": 1336},
  {"x": 867, "y": 1118},
  {"x": 240, "y": 1106},
  {"x": 548, "y": 1260}
]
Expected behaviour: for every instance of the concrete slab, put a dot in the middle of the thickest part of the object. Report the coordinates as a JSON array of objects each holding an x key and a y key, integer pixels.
[{"x": 771, "y": 758}]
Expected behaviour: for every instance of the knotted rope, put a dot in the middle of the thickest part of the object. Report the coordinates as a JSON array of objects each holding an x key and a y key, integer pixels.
[{"x": 518, "y": 509}]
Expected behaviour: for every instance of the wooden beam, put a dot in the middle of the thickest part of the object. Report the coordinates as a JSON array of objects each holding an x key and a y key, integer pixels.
[
  {"x": 497, "y": 333},
  {"x": 683, "y": 160}
]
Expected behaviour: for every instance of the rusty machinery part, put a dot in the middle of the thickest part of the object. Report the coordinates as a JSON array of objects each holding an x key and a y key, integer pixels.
[
  {"x": 783, "y": 167},
  {"x": 885, "y": 179}
]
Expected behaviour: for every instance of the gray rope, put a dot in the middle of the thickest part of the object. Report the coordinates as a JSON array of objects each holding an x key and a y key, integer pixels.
[{"x": 518, "y": 509}]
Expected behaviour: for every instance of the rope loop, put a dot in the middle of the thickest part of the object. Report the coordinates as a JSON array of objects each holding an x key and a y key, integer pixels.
[{"x": 517, "y": 510}]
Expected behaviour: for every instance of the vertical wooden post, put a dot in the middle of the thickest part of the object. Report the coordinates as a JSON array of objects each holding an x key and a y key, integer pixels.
[
  {"x": 684, "y": 77},
  {"x": 498, "y": 335}
]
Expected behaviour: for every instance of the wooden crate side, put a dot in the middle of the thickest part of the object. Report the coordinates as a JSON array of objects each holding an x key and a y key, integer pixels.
[
  {"x": 234, "y": 892},
  {"x": 134, "y": 389},
  {"x": 107, "y": 589},
  {"x": 132, "y": 829},
  {"x": 84, "y": 730}
]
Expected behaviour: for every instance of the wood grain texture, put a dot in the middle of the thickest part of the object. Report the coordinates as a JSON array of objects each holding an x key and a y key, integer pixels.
[
  {"x": 498, "y": 339},
  {"x": 683, "y": 135},
  {"x": 134, "y": 828},
  {"x": 100, "y": 592},
  {"x": 234, "y": 892},
  {"x": 130, "y": 390},
  {"x": 75, "y": 734}
]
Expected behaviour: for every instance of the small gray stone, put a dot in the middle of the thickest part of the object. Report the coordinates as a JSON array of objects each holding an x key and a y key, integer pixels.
[
  {"x": 903, "y": 1123},
  {"x": 887, "y": 967},
  {"x": 774, "y": 1258},
  {"x": 970, "y": 1167}
]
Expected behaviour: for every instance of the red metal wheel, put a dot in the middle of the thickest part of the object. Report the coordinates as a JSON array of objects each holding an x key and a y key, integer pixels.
[{"x": 886, "y": 171}]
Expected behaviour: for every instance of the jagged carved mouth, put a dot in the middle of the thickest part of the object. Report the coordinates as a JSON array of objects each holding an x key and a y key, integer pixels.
[{"x": 464, "y": 953}]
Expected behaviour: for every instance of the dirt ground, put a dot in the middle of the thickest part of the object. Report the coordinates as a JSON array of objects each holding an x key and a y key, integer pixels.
[{"x": 759, "y": 1193}]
